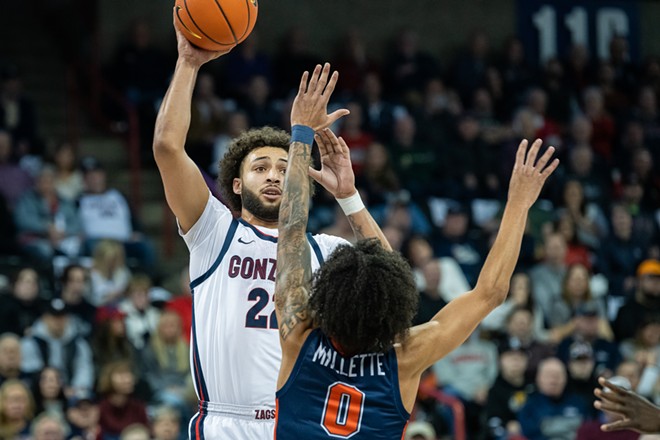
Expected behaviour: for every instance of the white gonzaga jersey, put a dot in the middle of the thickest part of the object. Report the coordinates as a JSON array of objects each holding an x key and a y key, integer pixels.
[{"x": 235, "y": 349}]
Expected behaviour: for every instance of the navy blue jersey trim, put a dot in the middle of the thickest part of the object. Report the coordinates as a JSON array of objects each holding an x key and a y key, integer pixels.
[
  {"x": 394, "y": 368},
  {"x": 315, "y": 248},
  {"x": 258, "y": 233},
  {"x": 202, "y": 391},
  {"x": 216, "y": 263}
]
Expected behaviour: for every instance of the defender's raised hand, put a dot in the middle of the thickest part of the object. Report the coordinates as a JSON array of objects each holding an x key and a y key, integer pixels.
[
  {"x": 636, "y": 412},
  {"x": 336, "y": 173},
  {"x": 310, "y": 107},
  {"x": 529, "y": 175}
]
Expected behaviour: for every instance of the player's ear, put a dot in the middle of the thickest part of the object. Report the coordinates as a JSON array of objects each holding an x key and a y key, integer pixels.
[{"x": 237, "y": 185}]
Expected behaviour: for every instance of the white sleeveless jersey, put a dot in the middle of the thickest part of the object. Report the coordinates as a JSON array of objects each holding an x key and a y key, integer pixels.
[{"x": 235, "y": 348}]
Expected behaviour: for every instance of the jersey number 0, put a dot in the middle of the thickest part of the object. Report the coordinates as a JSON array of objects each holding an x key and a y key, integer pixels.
[{"x": 342, "y": 413}]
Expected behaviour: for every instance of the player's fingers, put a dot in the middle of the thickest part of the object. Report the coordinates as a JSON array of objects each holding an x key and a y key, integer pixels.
[
  {"x": 303, "y": 83},
  {"x": 314, "y": 174},
  {"x": 604, "y": 405},
  {"x": 344, "y": 147},
  {"x": 607, "y": 384},
  {"x": 540, "y": 165},
  {"x": 520, "y": 154},
  {"x": 531, "y": 155},
  {"x": 550, "y": 169},
  {"x": 323, "y": 148},
  {"x": 331, "y": 85},
  {"x": 618, "y": 425},
  {"x": 323, "y": 79},
  {"x": 334, "y": 116},
  {"x": 332, "y": 141},
  {"x": 313, "y": 81}
]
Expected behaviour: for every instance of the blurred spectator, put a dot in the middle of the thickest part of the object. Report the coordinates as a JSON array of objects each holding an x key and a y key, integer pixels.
[
  {"x": 105, "y": 214},
  {"x": 407, "y": 67},
  {"x": 625, "y": 71},
  {"x": 110, "y": 342},
  {"x": 118, "y": 408},
  {"x": 430, "y": 295},
  {"x": 646, "y": 300},
  {"x": 468, "y": 372},
  {"x": 576, "y": 251},
  {"x": 602, "y": 124},
  {"x": 456, "y": 240},
  {"x": 23, "y": 306},
  {"x": 551, "y": 412},
  {"x": 616, "y": 101},
  {"x": 8, "y": 246},
  {"x": 517, "y": 75},
  {"x": 293, "y": 57},
  {"x": 54, "y": 342},
  {"x": 340, "y": 227},
  {"x": 548, "y": 275},
  {"x": 471, "y": 164},
  {"x": 166, "y": 358},
  {"x": 14, "y": 181},
  {"x": 243, "y": 63},
  {"x": 378, "y": 178},
  {"x": 379, "y": 114},
  {"x": 10, "y": 360},
  {"x": 508, "y": 393},
  {"x": 588, "y": 328},
  {"x": 353, "y": 61},
  {"x": 16, "y": 410},
  {"x": 68, "y": 178},
  {"x": 48, "y": 392},
  {"x": 546, "y": 128},
  {"x": 141, "y": 318},
  {"x": 589, "y": 220},
  {"x": 258, "y": 105},
  {"x": 109, "y": 275},
  {"x": 237, "y": 122},
  {"x": 582, "y": 378},
  {"x": 166, "y": 424},
  {"x": 49, "y": 426},
  {"x": 520, "y": 296},
  {"x": 649, "y": 178},
  {"x": 590, "y": 430},
  {"x": 560, "y": 98},
  {"x": 17, "y": 112},
  {"x": 414, "y": 162},
  {"x": 620, "y": 254},
  {"x": 47, "y": 224},
  {"x": 470, "y": 68},
  {"x": 83, "y": 416},
  {"x": 577, "y": 300},
  {"x": 403, "y": 214},
  {"x": 583, "y": 166},
  {"x": 357, "y": 139},
  {"x": 74, "y": 288},
  {"x": 181, "y": 303},
  {"x": 645, "y": 225},
  {"x": 644, "y": 350},
  {"x": 208, "y": 117},
  {"x": 419, "y": 430},
  {"x": 520, "y": 330},
  {"x": 135, "y": 431},
  {"x": 578, "y": 68}
]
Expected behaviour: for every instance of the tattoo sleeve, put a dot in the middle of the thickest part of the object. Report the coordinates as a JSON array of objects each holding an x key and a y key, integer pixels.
[{"x": 293, "y": 254}]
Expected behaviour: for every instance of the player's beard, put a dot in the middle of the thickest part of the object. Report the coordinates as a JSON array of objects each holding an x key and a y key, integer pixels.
[{"x": 257, "y": 208}]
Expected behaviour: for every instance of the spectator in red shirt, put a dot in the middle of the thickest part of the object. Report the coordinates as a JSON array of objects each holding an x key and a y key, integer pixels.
[{"x": 182, "y": 304}]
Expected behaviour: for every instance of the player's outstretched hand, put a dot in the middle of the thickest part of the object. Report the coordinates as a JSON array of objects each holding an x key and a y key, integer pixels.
[
  {"x": 189, "y": 52},
  {"x": 310, "y": 107},
  {"x": 336, "y": 173},
  {"x": 637, "y": 413},
  {"x": 529, "y": 175}
]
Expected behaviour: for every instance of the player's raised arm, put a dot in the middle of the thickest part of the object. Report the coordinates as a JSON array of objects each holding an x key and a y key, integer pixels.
[
  {"x": 293, "y": 253},
  {"x": 337, "y": 177},
  {"x": 185, "y": 189},
  {"x": 450, "y": 327}
]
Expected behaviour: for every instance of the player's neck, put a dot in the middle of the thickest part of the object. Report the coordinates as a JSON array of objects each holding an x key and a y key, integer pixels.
[{"x": 256, "y": 221}]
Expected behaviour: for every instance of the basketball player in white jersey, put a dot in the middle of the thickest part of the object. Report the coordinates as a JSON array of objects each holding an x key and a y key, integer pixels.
[{"x": 235, "y": 351}]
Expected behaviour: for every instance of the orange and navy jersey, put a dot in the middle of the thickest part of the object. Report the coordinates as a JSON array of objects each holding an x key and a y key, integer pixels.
[{"x": 332, "y": 396}]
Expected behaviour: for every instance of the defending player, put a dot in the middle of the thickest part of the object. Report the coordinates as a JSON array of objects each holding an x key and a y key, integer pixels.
[
  {"x": 351, "y": 364},
  {"x": 235, "y": 353}
]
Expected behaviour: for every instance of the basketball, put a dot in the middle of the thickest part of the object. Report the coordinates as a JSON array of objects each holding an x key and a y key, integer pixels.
[{"x": 216, "y": 24}]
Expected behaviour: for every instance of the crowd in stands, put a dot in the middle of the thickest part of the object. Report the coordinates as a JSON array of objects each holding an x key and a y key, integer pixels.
[{"x": 432, "y": 144}]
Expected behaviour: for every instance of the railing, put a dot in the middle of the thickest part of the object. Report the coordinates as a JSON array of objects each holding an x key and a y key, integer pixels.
[{"x": 454, "y": 404}]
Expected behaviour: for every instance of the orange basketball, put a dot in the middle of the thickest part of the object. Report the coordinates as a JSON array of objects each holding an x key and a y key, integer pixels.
[{"x": 216, "y": 24}]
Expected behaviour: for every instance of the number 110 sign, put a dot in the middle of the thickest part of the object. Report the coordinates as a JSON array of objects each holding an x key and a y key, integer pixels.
[{"x": 549, "y": 28}]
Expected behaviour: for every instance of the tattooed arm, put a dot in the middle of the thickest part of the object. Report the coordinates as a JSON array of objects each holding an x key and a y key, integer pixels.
[
  {"x": 294, "y": 271},
  {"x": 336, "y": 175}
]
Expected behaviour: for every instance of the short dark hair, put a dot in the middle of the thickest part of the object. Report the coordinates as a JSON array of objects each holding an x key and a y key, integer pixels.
[
  {"x": 239, "y": 148},
  {"x": 64, "y": 278},
  {"x": 364, "y": 297}
]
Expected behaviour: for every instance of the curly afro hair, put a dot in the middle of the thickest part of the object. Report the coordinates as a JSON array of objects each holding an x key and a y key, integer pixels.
[
  {"x": 364, "y": 297},
  {"x": 241, "y": 146}
]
